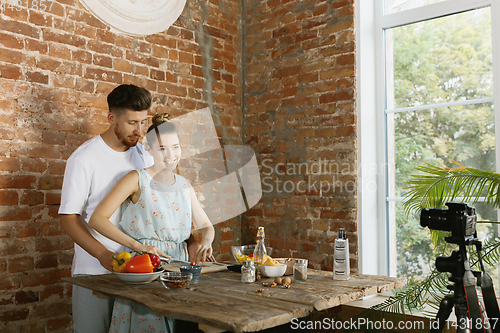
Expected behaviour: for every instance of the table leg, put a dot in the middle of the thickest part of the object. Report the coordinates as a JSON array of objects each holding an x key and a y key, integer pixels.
[{"x": 209, "y": 329}]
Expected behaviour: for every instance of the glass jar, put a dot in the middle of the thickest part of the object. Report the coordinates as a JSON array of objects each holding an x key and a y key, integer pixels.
[
  {"x": 248, "y": 271},
  {"x": 260, "y": 248},
  {"x": 300, "y": 269}
]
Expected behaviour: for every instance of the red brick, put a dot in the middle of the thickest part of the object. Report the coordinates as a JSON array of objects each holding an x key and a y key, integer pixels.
[
  {"x": 336, "y": 97},
  {"x": 102, "y": 60},
  {"x": 142, "y": 59},
  {"x": 11, "y": 42},
  {"x": 20, "y": 181},
  {"x": 308, "y": 247},
  {"x": 46, "y": 261},
  {"x": 106, "y": 36},
  {"x": 11, "y": 56},
  {"x": 122, "y": 65},
  {"x": 59, "y": 324},
  {"x": 287, "y": 71},
  {"x": 9, "y": 71},
  {"x": 19, "y": 28},
  {"x": 25, "y": 297},
  {"x": 32, "y": 198},
  {"x": 163, "y": 40},
  {"x": 329, "y": 214},
  {"x": 50, "y": 183},
  {"x": 60, "y": 51},
  {"x": 37, "y": 77},
  {"x": 14, "y": 315},
  {"x": 32, "y": 165},
  {"x": 40, "y": 19},
  {"x": 9, "y": 164},
  {"x": 52, "y": 292},
  {"x": 8, "y": 198},
  {"x": 85, "y": 30},
  {"x": 103, "y": 75},
  {"x": 346, "y": 60},
  {"x": 53, "y": 198},
  {"x": 36, "y": 45},
  {"x": 82, "y": 56},
  {"x": 35, "y": 151}
]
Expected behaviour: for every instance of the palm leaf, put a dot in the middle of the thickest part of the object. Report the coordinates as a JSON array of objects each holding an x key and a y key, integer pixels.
[
  {"x": 406, "y": 300},
  {"x": 438, "y": 185},
  {"x": 434, "y": 187}
]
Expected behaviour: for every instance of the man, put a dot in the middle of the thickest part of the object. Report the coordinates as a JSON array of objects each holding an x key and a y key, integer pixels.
[{"x": 91, "y": 171}]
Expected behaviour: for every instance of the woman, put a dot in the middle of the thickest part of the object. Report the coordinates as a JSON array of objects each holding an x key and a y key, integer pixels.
[{"x": 158, "y": 206}]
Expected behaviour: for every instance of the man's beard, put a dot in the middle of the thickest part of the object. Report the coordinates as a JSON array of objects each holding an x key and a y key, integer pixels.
[{"x": 125, "y": 139}]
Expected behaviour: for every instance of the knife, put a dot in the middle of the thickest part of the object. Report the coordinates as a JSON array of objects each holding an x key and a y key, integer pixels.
[{"x": 173, "y": 261}]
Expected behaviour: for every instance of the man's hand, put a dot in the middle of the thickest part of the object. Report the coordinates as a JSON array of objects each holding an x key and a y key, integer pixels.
[{"x": 106, "y": 259}]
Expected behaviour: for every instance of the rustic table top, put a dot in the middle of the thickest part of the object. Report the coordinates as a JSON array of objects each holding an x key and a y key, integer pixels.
[{"x": 221, "y": 300}]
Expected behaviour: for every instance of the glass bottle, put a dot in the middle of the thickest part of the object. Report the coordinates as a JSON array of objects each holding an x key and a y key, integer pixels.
[
  {"x": 300, "y": 270},
  {"x": 248, "y": 271},
  {"x": 260, "y": 248}
]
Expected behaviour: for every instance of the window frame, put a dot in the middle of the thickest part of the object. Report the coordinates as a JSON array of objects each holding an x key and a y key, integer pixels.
[{"x": 373, "y": 203}]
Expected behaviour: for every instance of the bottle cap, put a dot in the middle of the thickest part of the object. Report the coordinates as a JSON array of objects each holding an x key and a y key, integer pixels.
[
  {"x": 248, "y": 262},
  {"x": 341, "y": 233},
  {"x": 301, "y": 261}
]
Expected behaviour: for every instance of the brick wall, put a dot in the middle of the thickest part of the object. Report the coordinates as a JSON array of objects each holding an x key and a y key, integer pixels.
[
  {"x": 299, "y": 113},
  {"x": 57, "y": 66},
  {"x": 56, "y": 69}
]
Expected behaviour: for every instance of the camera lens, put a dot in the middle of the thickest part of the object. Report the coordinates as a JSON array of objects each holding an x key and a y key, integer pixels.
[{"x": 434, "y": 218}]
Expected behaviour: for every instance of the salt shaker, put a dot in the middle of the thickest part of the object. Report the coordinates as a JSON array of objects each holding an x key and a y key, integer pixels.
[
  {"x": 341, "y": 269},
  {"x": 300, "y": 269},
  {"x": 248, "y": 271}
]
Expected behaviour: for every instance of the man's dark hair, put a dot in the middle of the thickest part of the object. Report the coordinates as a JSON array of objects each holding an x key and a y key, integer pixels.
[{"x": 128, "y": 97}]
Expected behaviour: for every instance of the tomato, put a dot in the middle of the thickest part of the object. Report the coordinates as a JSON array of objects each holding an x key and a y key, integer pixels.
[{"x": 155, "y": 260}]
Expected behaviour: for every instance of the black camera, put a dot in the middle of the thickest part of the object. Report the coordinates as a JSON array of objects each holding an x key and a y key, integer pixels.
[{"x": 459, "y": 218}]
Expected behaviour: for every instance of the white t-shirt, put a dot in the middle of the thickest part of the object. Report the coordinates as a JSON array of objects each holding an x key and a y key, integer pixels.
[{"x": 91, "y": 172}]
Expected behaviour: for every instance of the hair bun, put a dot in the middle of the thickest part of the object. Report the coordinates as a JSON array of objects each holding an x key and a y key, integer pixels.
[{"x": 160, "y": 118}]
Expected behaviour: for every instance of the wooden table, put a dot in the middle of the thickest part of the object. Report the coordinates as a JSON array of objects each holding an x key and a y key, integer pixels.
[{"x": 220, "y": 299}]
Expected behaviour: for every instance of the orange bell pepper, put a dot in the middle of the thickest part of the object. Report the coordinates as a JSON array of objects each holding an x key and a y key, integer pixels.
[
  {"x": 140, "y": 264},
  {"x": 120, "y": 262}
]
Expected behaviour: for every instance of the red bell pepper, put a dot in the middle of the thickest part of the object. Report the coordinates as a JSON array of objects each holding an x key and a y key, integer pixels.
[
  {"x": 140, "y": 264},
  {"x": 155, "y": 260}
]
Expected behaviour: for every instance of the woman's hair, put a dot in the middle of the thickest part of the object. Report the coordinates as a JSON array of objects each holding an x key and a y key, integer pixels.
[
  {"x": 160, "y": 125},
  {"x": 128, "y": 97}
]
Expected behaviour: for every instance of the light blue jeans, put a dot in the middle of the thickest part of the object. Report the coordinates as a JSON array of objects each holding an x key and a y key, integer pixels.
[{"x": 90, "y": 313}]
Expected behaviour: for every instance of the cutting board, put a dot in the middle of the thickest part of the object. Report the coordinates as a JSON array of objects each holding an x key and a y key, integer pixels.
[{"x": 208, "y": 267}]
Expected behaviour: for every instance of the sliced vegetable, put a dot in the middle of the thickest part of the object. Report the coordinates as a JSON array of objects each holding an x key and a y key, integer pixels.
[
  {"x": 120, "y": 262},
  {"x": 140, "y": 264}
]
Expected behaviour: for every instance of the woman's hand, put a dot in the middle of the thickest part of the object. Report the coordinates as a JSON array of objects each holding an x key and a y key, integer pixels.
[
  {"x": 151, "y": 249},
  {"x": 200, "y": 252}
]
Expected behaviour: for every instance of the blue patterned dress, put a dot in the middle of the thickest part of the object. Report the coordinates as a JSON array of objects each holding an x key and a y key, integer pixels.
[{"x": 161, "y": 217}]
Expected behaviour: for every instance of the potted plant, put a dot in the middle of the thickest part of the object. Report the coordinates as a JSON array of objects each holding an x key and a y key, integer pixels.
[{"x": 433, "y": 187}]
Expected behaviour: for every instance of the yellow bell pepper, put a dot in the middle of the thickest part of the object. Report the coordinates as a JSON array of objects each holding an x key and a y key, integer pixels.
[{"x": 120, "y": 262}]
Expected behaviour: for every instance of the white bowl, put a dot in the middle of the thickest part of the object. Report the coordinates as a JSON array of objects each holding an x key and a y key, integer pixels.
[
  {"x": 272, "y": 271},
  {"x": 138, "y": 278}
]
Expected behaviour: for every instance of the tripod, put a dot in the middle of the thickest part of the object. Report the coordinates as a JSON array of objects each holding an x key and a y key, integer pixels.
[{"x": 457, "y": 299}]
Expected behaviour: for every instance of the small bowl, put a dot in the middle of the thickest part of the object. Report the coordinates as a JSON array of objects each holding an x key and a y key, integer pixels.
[
  {"x": 193, "y": 269},
  {"x": 138, "y": 278},
  {"x": 175, "y": 280},
  {"x": 247, "y": 250},
  {"x": 272, "y": 271}
]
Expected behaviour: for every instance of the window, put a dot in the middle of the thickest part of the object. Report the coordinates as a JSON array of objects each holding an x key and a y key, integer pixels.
[{"x": 427, "y": 96}]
